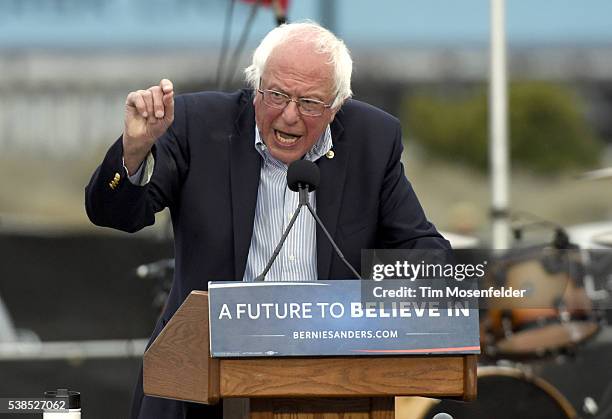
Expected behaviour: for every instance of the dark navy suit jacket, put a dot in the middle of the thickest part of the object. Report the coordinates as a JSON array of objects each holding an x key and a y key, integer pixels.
[{"x": 207, "y": 173}]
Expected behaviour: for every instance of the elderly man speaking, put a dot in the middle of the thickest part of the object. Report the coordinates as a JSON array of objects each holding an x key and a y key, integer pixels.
[{"x": 218, "y": 161}]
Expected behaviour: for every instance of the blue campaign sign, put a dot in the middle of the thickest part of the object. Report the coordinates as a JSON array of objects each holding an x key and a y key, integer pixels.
[{"x": 346, "y": 317}]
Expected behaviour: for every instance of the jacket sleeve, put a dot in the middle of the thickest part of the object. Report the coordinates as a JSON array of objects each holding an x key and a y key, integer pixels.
[
  {"x": 111, "y": 200},
  {"x": 402, "y": 221}
]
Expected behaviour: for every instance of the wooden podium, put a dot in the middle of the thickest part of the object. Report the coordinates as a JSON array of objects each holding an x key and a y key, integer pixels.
[{"x": 178, "y": 366}]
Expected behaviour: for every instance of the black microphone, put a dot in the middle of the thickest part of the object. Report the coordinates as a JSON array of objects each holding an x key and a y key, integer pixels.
[
  {"x": 303, "y": 173},
  {"x": 561, "y": 239},
  {"x": 303, "y": 176}
]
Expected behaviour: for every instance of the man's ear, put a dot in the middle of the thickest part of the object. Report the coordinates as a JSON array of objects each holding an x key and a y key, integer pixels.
[{"x": 333, "y": 114}]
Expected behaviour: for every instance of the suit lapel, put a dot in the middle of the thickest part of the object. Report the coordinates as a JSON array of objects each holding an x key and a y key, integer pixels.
[
  {"x": 245, "y": 166},
  {"x": 329, "y": 195}
]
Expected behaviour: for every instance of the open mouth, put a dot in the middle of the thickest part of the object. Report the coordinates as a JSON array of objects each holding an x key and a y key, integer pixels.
[{"x": 285, "y": 138}]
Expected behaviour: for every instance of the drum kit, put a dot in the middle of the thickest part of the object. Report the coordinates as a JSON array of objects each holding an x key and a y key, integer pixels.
[{"x": 569, "y": 294}]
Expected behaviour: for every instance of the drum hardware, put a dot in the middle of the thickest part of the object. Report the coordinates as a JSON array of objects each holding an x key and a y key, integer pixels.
[
  {"x": 589, "y": 280},
  {"x": 507, "y": 323},
  {"x": 162, "y": 272},
  {"x": 604, "y": 409},
  {"x": 590, "y": 406}
]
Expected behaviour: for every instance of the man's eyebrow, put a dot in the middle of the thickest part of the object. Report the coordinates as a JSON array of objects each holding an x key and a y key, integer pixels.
[
  {"x": 277, "y": 90},
  {"x": 283, "y": 91},
  {"x": 312, "y": 98}
]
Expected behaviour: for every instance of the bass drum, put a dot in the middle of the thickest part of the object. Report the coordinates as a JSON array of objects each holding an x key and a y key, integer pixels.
[{"x": 503, "y": 393}]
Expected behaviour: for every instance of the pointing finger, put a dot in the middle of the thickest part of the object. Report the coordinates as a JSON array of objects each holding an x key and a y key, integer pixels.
[{"x": 166, "y": 85}]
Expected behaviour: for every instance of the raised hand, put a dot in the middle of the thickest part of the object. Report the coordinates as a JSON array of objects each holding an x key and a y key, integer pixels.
[{"x": 148, "y": 114}]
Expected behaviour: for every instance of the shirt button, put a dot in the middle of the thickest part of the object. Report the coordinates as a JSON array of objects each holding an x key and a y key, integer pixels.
[{"x": 291, "y": 258}]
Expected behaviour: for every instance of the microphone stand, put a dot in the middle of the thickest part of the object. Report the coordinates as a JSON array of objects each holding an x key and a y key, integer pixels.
[{"x": 303, "y": 202}]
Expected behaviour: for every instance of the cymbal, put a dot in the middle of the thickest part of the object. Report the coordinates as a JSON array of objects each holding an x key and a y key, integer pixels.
[
  {"x": 604, "y": 239},
  {"x": 594, "y": 235},
  {"x": 598, "y": 174},
  {"x": 460, "y": 241}
]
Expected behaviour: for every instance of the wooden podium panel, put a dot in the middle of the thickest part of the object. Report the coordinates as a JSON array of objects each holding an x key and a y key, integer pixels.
[
  {"x": 344, "y": 377},
  {"x": 178, "y": 366}
]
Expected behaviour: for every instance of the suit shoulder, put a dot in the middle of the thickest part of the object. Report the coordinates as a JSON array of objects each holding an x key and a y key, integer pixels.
[
  {"x": 222, "y": 101},
  {"x": 368, "y": 126},
  {"x": 357, "y": 111}
]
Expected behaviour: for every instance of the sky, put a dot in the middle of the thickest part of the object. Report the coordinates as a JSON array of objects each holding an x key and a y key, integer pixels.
[{"x": 192, "y": 23}]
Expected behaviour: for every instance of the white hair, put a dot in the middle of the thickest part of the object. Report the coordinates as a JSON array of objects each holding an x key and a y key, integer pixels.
[{"x": 324, "y": 42}]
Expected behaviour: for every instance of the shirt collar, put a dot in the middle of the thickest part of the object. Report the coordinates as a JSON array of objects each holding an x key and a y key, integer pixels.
[{"x": 320, "y": 148}]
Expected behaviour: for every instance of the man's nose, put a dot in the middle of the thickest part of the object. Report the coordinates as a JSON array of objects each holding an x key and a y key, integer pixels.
[{"x": 291, "y": 113}]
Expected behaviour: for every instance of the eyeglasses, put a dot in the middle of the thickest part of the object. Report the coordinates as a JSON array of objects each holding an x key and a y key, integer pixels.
[{"x": 307, "y": 107}]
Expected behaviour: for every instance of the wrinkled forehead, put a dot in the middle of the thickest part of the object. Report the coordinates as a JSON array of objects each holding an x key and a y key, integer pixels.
[{"x": 298, "y": 58}]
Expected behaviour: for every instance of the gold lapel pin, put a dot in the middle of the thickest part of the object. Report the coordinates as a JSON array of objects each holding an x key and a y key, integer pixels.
[{"x": 330, "y": 154}]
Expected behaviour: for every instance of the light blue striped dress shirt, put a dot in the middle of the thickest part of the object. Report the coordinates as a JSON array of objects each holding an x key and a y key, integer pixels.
[{"x": 297, "y": 260}]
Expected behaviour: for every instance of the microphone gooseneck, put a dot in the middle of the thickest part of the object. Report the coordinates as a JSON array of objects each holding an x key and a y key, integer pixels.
[{"x": 303, "y": 176}]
